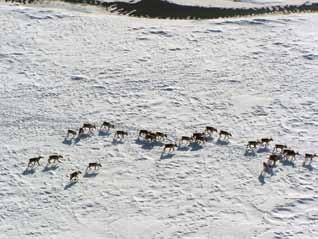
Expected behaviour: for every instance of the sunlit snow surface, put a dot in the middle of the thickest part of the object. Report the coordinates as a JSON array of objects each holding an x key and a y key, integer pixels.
[{"x": 255, "y": 77}]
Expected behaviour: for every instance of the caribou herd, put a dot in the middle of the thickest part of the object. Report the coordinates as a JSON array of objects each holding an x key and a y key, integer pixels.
[{"x": 279, "y": 152}]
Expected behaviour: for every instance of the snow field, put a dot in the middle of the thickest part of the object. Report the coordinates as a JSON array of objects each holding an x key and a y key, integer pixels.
[{"x": 255, "y": 77}]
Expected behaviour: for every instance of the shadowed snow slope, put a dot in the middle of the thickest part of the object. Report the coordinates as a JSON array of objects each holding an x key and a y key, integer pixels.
[
  {"x": 195, "y": 9},
  {"x": 255, "y": 77}
]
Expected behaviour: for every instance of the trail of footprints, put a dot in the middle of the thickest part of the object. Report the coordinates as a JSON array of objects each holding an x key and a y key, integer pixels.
[{"x": 149, "y": 139}]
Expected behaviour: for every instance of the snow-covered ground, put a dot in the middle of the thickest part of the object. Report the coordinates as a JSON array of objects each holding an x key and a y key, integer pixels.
[{"x": 255, "y": 77}]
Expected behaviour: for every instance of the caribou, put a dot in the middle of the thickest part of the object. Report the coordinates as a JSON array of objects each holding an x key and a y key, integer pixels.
[
  {"x": 171, "y": 147},
  {"x": 185, "y": 139},
  {"x": 71, "y": 132},
  {"x": 196, "y": 135},
  {"x": 200, "y": 139},
  {"x": 74, "y": 176},
  {"x": 35, "y": 160},
  {"x": 107, "y": 125},
  {"x": 54, "y": 158},
  {"x": 209, "y": 130},
  {"x": 279, "y": 147},
  {"x": 289, "y": 153},
  {"x": 309, "y": 157},
  {"x": 89, "y": 126},
  {"x": 160, "y": 135},
  {"x": 120, "y": 134},
  {"x": 252, "y": 144},
  {"x": 274, "y": 158},
  {"x": 143, "y": 133},
  {"x": 151, "y": 137},
  {"x": 265, "y": 141},
  {"x": 93, "y": 165},
  {"x": 225, "y": 134}
]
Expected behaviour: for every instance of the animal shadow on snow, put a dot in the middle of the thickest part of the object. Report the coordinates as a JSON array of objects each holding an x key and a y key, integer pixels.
[
  {"x": 151, "y": 145},
  {"x": 195, "y": 146},
  {"x": 90, "y": 173},
  {"x": 140, "y": 141},
  {"x": 104, "y": 133},
  {"x": 29, "y": 170},
  {"x": 183, "y": 147},
  {"x": 263, "y": 150},
  {"x": 166, "y": 155},
  {"x": 265, "y": 174},
  {"x": 70, "y": 184},
  {"x": 261, "y": 179},
  {"x": 67, "y": 141},
  {"x": 49, "y": 167},
  {"x": 117, "y": 141},
  {"x": 209, "y": 138},
  {"x": 222, "y": 142},
  {"x": 148, "y": 145},
  {"x": 250, "y": 153},
  {"x": 83, "y": 136},
  {"x": 286, "y": 162},
  {"x": 309, "y": 167}
]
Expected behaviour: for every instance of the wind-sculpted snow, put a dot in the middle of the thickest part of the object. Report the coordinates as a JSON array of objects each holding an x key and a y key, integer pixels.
[
  {"x": 255, "y": 77},
  {"x": 166, "y": 9}
]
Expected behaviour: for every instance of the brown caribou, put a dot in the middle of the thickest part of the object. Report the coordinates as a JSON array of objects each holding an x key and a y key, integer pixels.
[
  {"x": 225, "y": 134},
  {"x": 160, "y": 135},
  {"x": 252, "y": 144},
  {"x": 151, "y": 137},
  {"x": 185, "y": 139},
  {"x": 209, "y": 130},
  {"x": 200, "y": 139},
  {"x": 289, "y": 153},
  {"x": 89, "y": 126},
  {"x": 93, "y": 165},
  {"x": 309, "y": 157},
  {"x": 35, "y": 160},
  {"x": 171, "y": 147},
  {"x": 120, "y": 134},
  {"x": 74, "y": 175},
  {"x": 195, "y": 135},
  {"x": 54, "y": 158},
  {"x": 107, "y": 125},
  {"x": 279, "y": 147},
  {"x": 71, "y": 132},
  {"x": 265, "y": 141},
  {"x": 143, "y": 133},
  {"x": 273, "y": 158}
]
